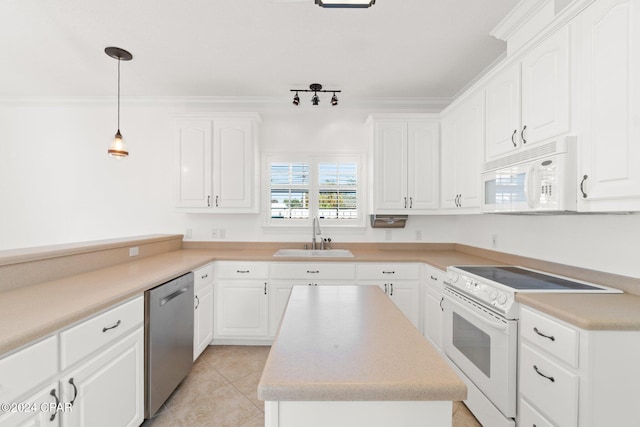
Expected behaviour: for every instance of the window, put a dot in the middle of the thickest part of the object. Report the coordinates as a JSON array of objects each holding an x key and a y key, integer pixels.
[{"x": 315, "y": 186}]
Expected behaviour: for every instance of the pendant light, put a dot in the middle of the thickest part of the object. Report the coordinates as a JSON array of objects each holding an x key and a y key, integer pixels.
[{"x": 118, "y": 148}]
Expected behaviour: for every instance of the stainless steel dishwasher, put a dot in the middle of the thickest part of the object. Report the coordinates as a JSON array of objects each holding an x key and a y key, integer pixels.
[{"x": 168, "y": 339}]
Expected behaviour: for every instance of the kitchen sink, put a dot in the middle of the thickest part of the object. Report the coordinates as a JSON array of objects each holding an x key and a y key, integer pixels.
[{"x": 309, "y": 253}]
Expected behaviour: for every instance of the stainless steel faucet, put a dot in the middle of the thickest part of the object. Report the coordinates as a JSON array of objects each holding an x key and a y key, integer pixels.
[{"x": 316, "y": 232}]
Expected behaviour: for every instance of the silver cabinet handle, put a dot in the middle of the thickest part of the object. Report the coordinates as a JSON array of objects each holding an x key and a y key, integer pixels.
[
  {"x": 208, "y": 201},
  {"x": 242, "y": 271},
  {"x": 410, "y": 202},
  {"x": 217, "y": 201},
  {"x": 313, "y": 271},
  {"x": 204, "y": 276},
  {"x": 391, "y": 287},
  {"x": 197, "y": 302},
  {"x": 524, "y": 141},
  {"x": 513, "y": 135},
  {"x": 105, "y": 329},
  {"x": 386, "y": 286},
  {"x": 441, "y": 300},
  {"x": 265, "y": 288},
  {"x": 434, "y": 278},
  {"x": 388, "y": 272}
]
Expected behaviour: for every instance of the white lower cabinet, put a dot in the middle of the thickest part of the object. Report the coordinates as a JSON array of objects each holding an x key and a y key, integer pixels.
[
  {"x": 400, "y": 281},
  {"x": 202, "y": 309},
  {"x": 108, "y": 390},
  {"x": 573, "y": 377},
  {"x": 98, "y": 379},
  {"x": 433, "y": 305},
  {"x": 241, "y": 300}
]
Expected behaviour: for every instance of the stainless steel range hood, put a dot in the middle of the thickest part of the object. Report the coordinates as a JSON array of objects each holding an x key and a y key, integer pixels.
[{"x": 388, "y": 221}]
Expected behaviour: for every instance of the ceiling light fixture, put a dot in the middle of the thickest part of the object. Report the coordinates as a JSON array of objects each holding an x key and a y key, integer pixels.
[
  {"x": 315, "y": 100},
  {"x": 118, "y": 148},
  {"x": 346, "y": 3}
]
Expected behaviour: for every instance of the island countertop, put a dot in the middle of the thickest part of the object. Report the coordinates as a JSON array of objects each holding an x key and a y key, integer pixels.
[{"x": 352, "y": 343}]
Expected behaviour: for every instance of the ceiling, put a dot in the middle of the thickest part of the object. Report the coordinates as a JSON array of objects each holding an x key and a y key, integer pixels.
[{"x": 253, "y": 48}]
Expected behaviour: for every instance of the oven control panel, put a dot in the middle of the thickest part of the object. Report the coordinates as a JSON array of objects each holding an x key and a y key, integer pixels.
[{"x": 486, "y": 293}]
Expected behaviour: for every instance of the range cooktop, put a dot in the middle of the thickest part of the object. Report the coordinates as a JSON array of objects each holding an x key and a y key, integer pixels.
[{"x": 495, "y": 286}]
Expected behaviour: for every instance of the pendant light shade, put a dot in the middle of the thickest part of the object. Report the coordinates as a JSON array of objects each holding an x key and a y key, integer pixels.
[{"x": 118, "y": 149}]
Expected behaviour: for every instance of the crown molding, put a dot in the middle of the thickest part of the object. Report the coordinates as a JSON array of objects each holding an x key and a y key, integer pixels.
[
  {"x": 517, "y": 18},
  {"x": 423, "y": 104}
]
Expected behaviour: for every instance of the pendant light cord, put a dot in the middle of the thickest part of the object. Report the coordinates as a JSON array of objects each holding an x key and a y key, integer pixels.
[{"x": 118, "y": 94}]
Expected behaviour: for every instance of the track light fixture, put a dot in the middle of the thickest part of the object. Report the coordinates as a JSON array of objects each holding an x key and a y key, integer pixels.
[
  {"x": 346, "y": 3},
  {"x": 118, "y": 149},
  {"x": 315, "y": 99}
]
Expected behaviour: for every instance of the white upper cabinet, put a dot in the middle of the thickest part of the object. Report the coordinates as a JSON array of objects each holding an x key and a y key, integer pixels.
[
  {"x": 463, "y": 130},
  {"x": 609, "y": 141},
  {"x": 405, "y": 165},
  {"x": 529, "y": 101},
  {"x": 217, "y": 161}
]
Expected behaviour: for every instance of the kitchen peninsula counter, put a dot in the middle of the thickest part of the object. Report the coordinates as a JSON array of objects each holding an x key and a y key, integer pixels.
[{"x": 351, "y": 344}]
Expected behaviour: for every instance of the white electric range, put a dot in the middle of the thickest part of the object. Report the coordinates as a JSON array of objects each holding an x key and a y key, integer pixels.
[{"x": 480, "y": 332}]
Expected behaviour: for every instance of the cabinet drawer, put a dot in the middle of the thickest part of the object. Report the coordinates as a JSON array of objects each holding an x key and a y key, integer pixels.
[
  {"x": 202, "y": 277},
  {"x": 559, "y": 340},
  {"x": 547, "y": 385},
  {"x": 529, "y": 417},
  {"x": 24, "y": 370},
  {"x": 92, "y": 334},
  {"x": 304, "y": 270},
  {"x": 242, "y": 270},
  {"x": 387, "y": 271}
]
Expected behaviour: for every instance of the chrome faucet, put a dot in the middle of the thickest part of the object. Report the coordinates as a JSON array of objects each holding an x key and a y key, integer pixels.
[{"x": 316, "y": 232}]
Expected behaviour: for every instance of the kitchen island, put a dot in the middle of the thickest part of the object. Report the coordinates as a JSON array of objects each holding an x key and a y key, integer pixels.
[{"x": 345, "y": 356}]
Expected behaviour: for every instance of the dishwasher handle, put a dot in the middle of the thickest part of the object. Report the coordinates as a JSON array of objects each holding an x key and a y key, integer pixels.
[{"x": 168, "y": 298}]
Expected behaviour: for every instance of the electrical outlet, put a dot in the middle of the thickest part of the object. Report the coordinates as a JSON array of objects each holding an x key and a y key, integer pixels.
[
  {"x": 134, "y": 251},
  {"x": 387, "y": 234},
  {"x": 223, "y": 234},
  {"x": 418, "y": 234},
  {"x": 188, "y": 234},
  {"x": 494, "y": 240},
  {"x": 214, "y": 233}
]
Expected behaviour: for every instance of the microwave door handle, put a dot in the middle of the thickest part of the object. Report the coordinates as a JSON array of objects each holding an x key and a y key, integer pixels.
[
  {"x": 529, "y": 188},
  {"x": 500, "y": 326}
]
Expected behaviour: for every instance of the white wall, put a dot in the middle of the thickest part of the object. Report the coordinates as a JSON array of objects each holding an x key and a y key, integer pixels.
[{"x": 58, "y": 185}]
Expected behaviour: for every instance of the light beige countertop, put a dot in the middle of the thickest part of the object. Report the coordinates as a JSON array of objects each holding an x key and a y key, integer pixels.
[
  {"x": 615, "y": 312},
  {"x": 33, "y": 312},
  {"x": 352, "y": 343}
]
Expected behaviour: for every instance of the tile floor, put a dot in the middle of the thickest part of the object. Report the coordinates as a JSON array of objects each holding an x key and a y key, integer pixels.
[{"x": 221, "y": 391}]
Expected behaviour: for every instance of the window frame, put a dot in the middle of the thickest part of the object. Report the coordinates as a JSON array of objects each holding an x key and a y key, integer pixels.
[{"x": 314, "y": 160}]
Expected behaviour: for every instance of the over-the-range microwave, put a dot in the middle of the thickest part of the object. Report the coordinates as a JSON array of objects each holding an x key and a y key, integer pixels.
[{"x": 537, "y": 180}]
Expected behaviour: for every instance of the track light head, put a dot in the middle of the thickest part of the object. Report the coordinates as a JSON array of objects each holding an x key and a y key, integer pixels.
[
  {"x": 334, "y": 99},
  {"x": 296, "y": 99},
  {"x": 315, "y": 100}
]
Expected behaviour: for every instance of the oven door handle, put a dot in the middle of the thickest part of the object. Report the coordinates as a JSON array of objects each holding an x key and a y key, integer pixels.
[{"x": 495, "y": 324}]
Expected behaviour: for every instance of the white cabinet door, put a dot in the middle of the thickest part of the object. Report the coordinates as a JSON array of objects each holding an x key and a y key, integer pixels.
[
  {"x": 546, "y": 89},
  {"x": 529, "y": 101},
  {"x": 234, "y": 164},
  {"x": 406, "y": 295},
  {"x": 433, "y": 316},
  {"x": 406, "y": 165},
  {"x": 503, "y": 113},
  {"x": 241, "y": 309},
  {"x": 203, "y": 320},
  {"x": 278, "y": 299},
  {"x": 40, "y": 410},
  {"x": 194, "y": 163},
  {"x": 609, "y": 147},
  {"x": 390, "y": 165},
  {"x": 423, "y": 163},
  {"x": 462, "y": 142},
  {"x": 108, "y": 390}
]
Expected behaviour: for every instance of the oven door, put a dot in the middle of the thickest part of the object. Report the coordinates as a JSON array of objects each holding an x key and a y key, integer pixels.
[{"x": 483, "y": 345}]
